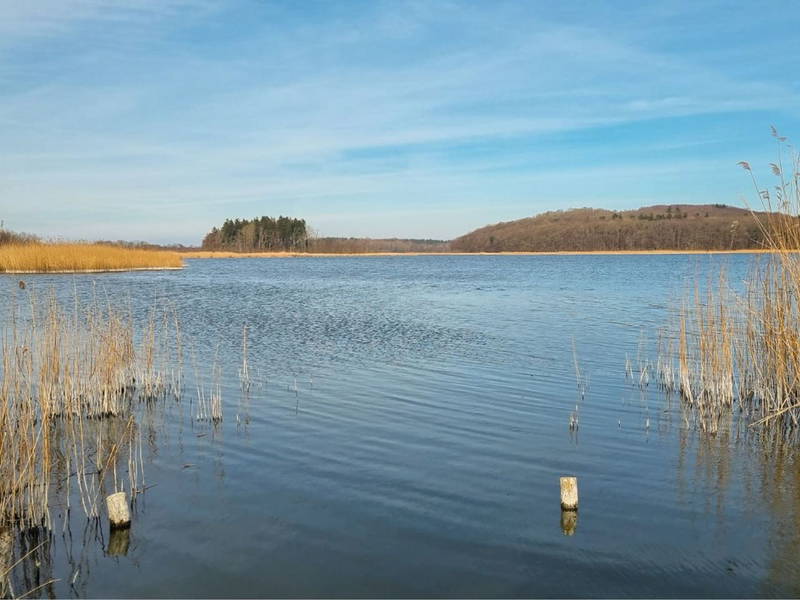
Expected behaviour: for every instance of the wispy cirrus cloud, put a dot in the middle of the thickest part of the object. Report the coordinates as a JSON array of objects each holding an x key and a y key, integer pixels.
[
  {"x": 20, "y": 21},
  {"x": 259, "y": 108}
]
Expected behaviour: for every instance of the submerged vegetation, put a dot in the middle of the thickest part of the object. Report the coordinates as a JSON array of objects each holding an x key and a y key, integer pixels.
[
  {"x": 741, "y": 350},
  {"x": 37, "y": 257}
]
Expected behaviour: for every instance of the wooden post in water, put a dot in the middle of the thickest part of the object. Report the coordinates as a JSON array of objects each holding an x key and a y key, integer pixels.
[
  {"x": 118, "y": 512},
  {"x": 569, "y": 493}
]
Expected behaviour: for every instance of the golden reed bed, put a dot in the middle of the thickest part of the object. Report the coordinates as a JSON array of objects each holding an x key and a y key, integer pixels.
[
  {"x": 740, "y": 349},
  {"x": 74, "y": 258}
]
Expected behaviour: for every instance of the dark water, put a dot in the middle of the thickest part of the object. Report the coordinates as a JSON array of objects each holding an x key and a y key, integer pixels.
[{"x": 406, "y": 429}]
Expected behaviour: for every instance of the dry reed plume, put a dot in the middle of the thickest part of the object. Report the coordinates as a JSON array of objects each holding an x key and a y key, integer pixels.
[
  {"x": 743, "y": 349},
  {"x": 40, "y": 258}
]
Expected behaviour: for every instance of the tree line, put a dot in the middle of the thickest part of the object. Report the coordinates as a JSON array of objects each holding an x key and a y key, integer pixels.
[
  {"x": 12, "y": 237},
  {"x": 673, "y": 227},
  {"x": 258, "y": 234},
  {"x": 285, "y": 234},
  {"x": 334, "y": 245}
]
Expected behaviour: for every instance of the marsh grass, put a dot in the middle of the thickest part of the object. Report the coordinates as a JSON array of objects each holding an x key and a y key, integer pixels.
[
  {"x": 738, "y": 353},
  {"x": 582, "y": 385},
  {"x": 209, "y": 394},
  {"x": 38, "y": 257},
  {"x": 70, "y": 383}
]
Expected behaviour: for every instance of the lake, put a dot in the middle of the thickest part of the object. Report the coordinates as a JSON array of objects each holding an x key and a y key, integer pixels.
[{"x": 404, "y": 433}]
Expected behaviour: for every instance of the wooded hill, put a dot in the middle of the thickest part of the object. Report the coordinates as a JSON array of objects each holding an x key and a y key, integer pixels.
[{"x": 661, "y": 227}]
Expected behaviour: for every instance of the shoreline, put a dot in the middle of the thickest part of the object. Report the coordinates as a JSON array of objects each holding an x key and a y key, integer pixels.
[
  {"x": 83, "y": 271},
  {"x": 210, "y": 254},
  {"x": 202, "y": 254}
]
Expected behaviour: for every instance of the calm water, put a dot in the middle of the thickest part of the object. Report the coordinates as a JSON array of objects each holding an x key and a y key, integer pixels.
[{"x": 406, "y": 430}]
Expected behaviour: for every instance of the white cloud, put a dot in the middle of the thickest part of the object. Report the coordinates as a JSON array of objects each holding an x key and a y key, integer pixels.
[{"x": 319, "y": 112}]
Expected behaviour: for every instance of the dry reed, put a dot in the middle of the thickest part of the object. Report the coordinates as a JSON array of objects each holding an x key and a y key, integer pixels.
[
  {"x": 742, "y": 350},
  {"x": 69, "y": 384},
  {"x": 44, "y": 258},
  {"x": 209, "y": 400}
]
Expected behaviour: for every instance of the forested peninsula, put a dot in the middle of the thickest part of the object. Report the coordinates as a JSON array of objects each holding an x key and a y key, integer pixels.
[
  {"x": 261, "y": 234},
  {"x": 285, "y": 234}
]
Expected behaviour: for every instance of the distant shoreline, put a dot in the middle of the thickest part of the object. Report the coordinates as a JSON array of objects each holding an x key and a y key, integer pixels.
[
  {"x": 226, "y": 254},
  {"x": 83, "y": 271}
]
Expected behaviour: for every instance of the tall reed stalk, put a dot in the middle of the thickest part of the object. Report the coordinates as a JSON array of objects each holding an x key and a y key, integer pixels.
[
  {"x": 742, "y": 349},
  {"x": 69, "y": 383}
]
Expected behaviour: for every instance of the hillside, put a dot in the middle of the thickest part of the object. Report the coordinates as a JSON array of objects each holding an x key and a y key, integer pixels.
[{"x": 660, "y": 227}]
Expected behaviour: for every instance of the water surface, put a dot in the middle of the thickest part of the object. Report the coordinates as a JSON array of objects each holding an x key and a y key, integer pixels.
[{"x": 405, "y": 431}]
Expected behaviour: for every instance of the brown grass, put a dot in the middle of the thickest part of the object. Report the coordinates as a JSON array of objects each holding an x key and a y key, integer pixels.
[
  {"x": 70, "y": 258},
  {"x": 743, "y": 349},
  {"x": 69, "y": 382}
]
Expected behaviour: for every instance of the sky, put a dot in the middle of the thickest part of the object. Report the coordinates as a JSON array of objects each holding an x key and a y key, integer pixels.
[{"x": 139, "y": 120}]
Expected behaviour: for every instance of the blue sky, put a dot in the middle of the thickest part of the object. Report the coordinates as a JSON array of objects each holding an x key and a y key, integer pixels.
[{"x": 156, "y": 120}]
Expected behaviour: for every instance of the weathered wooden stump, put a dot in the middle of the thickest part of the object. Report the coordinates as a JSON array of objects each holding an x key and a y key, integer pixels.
[
  {"x": 569, "y": 493},
  {"x": 118, "y": 512}
]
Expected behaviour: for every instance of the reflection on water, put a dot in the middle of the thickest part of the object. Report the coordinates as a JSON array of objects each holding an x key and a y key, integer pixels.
[
  {"x": 754, "y": 472},
  {"x": 569, "y": 521},
  {"x": 119, "y": 539},
  {"x": 27, "y": 563},
  {"x": 399, "y": 430}
]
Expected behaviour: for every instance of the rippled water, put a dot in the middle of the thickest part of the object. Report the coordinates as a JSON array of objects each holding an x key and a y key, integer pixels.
[{"x": 406, "y": 430}]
